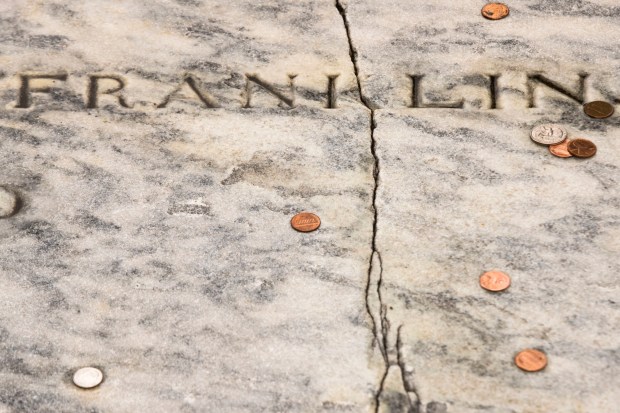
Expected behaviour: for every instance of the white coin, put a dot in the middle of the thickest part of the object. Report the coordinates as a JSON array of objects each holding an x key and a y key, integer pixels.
[
  {"x": 88, "y": 377},
  {"x": 8, "y": 202},
  {"x": 549, "y": 134}
]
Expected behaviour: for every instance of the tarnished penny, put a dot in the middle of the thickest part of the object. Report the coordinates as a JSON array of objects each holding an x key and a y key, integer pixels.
[
  {"x": 548, "y": 134},
  {"x": 494, "y": 281},
  {"x": 581, "y": 148},
  {"x": 560, "y": 150},
  {"x": 531, "y": 360},
  {"x": 305, "y": 222},
  {"x": 598, "y": 109},
  {"x": 495, "y": 11}
]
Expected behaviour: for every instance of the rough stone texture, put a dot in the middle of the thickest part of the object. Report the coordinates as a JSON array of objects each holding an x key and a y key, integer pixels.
[
  {"x": 460, "y": 195},
  {"x": 155, "y": 243},
  {"x": 161, "y": 250},
  {"x": 154, "y": 44},
  {"x": 461, "y": 191},
  {"x": 151, "y": 236},
  {"x": 455, "y": 48}
]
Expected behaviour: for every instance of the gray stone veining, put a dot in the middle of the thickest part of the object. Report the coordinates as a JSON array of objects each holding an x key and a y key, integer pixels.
[
  {"x": 462, "y": 191},
  {"x": 153, "y": 154},
  {"x": 154, "y": 243}
]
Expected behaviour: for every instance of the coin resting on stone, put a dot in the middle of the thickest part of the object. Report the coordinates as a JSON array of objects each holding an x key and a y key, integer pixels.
[
  {"x": 598, "y": 109},
  {"x": 9, "y": 203},
  {"x": 531, "y": 360},
  {"x": 548, "y": 134},
  {"x": 581, "y": 148},
  {"x": 494, "y": 281},
  {"x": 561, "y": 149},
  {"x": 495, "y": 11},
  {"x": 305, "y": 222},
  {"x": 88, "y": 377}
]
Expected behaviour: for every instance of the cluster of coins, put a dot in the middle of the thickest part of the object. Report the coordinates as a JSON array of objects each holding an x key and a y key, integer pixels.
[{"x": 556, "y": 138}]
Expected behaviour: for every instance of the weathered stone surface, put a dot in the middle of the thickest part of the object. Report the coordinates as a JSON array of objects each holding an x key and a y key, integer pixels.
[
  {"x": 155, "y": 243},
  {"x": 153, "y": 153},
  {"x": 461, "y": 191},
  {"x": 459, "y": 196},
  {"x": 162, "y": 252},
  {"x": 153, "y": 45},
  {"x": 456, "y": 49}
]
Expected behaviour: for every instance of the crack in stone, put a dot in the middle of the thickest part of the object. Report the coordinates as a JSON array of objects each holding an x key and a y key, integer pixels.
[
  {"x": 415, "y": 404},
  {"x": 380, "y": 323},
  {"x": 380, "y": 327}
]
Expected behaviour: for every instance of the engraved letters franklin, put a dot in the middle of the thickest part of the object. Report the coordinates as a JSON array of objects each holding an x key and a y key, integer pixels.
[{"x": 190, "y": 87}]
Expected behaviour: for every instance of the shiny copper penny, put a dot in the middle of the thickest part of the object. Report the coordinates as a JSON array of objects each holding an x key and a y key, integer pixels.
[
  {"x": 494, "y": 281},
  {"x": 531, "y": 360},
  {"x": 581, "y": 148},
  {"x": 561, "y": 149},
  {"x": 495, "y": 11},
  {"x": 305, "y": 222},
  {"x": 598, "y": 109}
]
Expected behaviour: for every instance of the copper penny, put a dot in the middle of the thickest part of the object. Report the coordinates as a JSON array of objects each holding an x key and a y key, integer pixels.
[
  {"x": 561, "y": 149},
  {"x": 598, "y": 109},
  {"x": 531, "y": 360},
  {"x": 582, "y": 148},
  {"x": 494, "y": 281},
  {"x": 495, "y": 11},
  {"x": 305, "y": 222}
]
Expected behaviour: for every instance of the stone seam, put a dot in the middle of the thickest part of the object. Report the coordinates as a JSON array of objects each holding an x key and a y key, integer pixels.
[{"x": 380, "y": 328}]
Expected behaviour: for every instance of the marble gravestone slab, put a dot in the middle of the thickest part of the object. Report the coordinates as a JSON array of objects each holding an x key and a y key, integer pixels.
[
  {"x": 159, "y": 154},
  {"x": 158, "y": 151},
  {"x": 462, "y": 189}
]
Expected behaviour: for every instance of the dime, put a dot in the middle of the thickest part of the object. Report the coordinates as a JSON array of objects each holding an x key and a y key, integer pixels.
[
  {"x": 561, "y": 149},
  {"x": 494, "y": 281},
  {"x": 495, "y": 11},
  {"x": 548, "y": 134},
  {"x": 598, "y": 109},
  {"x": 531, "y": 360},
  {"x": 305, "y": 222},
  {"x": 88, "y": 377},
  {"x": 582, "y": 148}
]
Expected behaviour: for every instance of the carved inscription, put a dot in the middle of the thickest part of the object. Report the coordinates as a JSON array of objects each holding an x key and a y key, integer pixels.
[
  {"x": 332, "y": 95},
  {"x": 416, "y": 97},
  {"x": 192, "y": 88},
  {"x": 493, "y": 90},
  {"x": 24, "y": 100},
  {"x": 535, "y": 80},
  {"x": 254, "y": 79},
  {"x": 94, "y": 90},
  {"x": 193, "y": 84}
]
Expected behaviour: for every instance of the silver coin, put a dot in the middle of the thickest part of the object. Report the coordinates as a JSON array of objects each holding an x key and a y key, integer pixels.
[
  {"x": 549, "y": 134},
  {"x": 8, "y": 202},
  {"x": 88, "y": 377}
]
